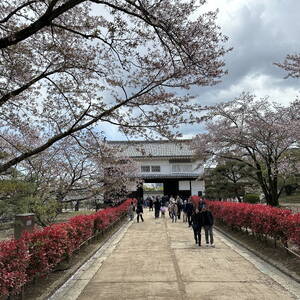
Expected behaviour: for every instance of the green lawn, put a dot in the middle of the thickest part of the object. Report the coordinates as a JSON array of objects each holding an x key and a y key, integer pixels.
[
  {"x": 295, "y": 198},
  {"x": 67, "y": 215}
]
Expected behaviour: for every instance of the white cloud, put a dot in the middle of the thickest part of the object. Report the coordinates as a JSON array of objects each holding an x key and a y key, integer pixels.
[
  {"x": 261, "y": 85},
  {"x": 262, "y": 32}
]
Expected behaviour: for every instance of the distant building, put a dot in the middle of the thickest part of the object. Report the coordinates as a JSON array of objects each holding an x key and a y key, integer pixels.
[{"x": 168, "y": 162}]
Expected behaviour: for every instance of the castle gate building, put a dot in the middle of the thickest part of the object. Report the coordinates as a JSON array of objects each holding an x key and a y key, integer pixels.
[{"x": 169, "y": 163}]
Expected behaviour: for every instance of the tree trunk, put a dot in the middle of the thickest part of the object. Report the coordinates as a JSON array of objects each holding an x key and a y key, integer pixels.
[
  {"x": 274, "y": 191},
  {"x": 236, "y": 191},
  {"x": 77, "y": 206},
  {"x": 269, "y": 189},
  {"x": 272, "y": 198}
]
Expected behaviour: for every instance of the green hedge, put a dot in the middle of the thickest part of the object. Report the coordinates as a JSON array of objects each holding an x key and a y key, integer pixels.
[{"x": 251, "y": 198}]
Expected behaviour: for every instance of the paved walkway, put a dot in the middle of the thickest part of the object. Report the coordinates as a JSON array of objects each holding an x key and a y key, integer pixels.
[{"x": 158, "y": 259}]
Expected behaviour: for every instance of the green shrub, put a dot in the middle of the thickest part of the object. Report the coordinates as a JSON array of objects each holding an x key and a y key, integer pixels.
[{"x": 251, "y": 198}]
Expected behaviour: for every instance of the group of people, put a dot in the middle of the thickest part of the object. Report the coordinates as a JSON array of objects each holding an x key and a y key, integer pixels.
[
  {"x": 164, "y": 204},
  {"x": 193, "y": 211},
  {"x": 203, "y": 218}
]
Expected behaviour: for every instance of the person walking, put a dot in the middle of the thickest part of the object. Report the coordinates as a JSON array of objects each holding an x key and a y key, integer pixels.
[
  {"x": 201, "y": 204},
  {"x": 179, "y": 206},
  {"x": 208, "y": 222},
  {"x": 164, "y": 200},
  {"x": 150, "y": 204},
  {"x": 163, "y": 210},
  {"x": 171, "y": 199},
  {"x": 196, "y": 220},
  {"x": 184, "y": 216},
  {"x": 139, "y": 211},
  {"x": 189, "y": 211},
  {"x": 170, "y": 209},
  {"x": 174, "y": 212},
  {"x": 157, "y": 206},
  {"x": 146, "y": 202},
  {"x": 131, "y": 211}
]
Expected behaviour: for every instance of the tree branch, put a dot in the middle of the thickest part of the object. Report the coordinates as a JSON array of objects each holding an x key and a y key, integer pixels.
[
  {"x": 21, "y": 89},
  {"x": 43, "y": 21},
  {"x": 16, "y": 10}
]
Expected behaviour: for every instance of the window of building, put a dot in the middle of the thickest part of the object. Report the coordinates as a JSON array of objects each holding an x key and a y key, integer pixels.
[
  {"x": 145, "y": 168},
  {"x": 182, "y": 168},
  {"x": 155, "y": 168}
]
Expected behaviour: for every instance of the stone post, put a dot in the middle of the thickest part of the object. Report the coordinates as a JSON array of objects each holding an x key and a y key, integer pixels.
[{"x": 23, "y": 222}]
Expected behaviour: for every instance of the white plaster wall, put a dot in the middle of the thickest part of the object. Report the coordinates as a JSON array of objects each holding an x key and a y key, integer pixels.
[
  {"x": 198, "y": 167},
  {"x": 184, "y": 185},
  {"x": 197, "y": 186},
  {"x": 166, "y": 167}
]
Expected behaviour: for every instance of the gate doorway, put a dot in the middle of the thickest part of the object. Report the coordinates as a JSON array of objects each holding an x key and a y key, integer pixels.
[
  {"x": 153, "y": 189},
  {"x": 164, "y": 186}
]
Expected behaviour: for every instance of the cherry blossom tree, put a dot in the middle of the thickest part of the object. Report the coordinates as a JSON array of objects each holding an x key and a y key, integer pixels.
[
  {"x": 71, "y": 171},
  {"x": 291, "y": 64},
  {"x": 82, "y": 168},
  {"x": 72, "y": 65},
  {"x": 258, "y": 133}
]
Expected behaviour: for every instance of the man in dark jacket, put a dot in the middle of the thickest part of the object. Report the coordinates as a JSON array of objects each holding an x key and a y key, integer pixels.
[
  {"x": 196, "y": 221},
  {"x": 179, "y": 206},
  {"x": 150, "y": 203},
  {"x": 201, "y": 204},
  {"x": 157, "y": 205},
  {"x": 164, "y": 200},
  {"x": 139, "y": 211},
  {"x": 189, "y": 211},
  {"x": 208, "y": 222}
]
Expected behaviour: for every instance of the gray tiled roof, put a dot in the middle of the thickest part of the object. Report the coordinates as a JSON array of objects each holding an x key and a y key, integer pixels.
[
  {"x": 157, "y": 176},
  {"x": 135, "y": 149}
]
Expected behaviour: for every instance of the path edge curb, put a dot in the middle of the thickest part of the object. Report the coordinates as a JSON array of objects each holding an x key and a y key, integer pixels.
[
  {"x": 59, "y": 283},
  {"x": 266, "y": 259}
]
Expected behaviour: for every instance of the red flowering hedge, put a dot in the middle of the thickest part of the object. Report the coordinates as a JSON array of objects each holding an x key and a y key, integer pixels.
[
  {"x": 37, "y": 253},
  {"x": 14, "y": 259},
  {"x": 280, "y": 224}
]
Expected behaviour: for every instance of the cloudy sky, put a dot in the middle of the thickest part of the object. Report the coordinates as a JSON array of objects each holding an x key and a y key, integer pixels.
[{"x": 261, "y": 32}]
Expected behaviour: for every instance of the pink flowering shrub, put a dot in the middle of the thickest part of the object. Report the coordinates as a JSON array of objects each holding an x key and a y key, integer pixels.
[
  {"x": 37, "y": 253},
  {"x": 280, "y": 224}
]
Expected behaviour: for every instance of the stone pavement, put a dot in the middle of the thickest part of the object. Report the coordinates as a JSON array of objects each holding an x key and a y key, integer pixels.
[{"x": 158, "y": 259}]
